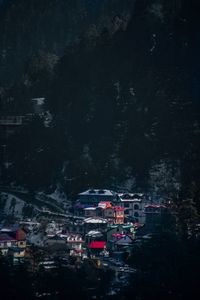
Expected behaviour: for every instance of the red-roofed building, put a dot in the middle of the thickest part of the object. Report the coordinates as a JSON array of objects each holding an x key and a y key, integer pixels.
[
  {"x": 118, "y": 214},
  {"x": 118, "y": 208},
  {"x": 21, "y": 238},
  {"x": 95, "y": 248},
  {"x": 97, "y": 245},
  {"x": 114, "y": 214},
  {"x": 105, "y": 204}
]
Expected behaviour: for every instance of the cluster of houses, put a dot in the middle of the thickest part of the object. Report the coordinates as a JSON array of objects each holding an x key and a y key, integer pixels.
[
  {"x": 117, "y": 208},
  {"x": 104, "y": 224},
  {"x": 107, "y": 223},
  {"x": 13, "y": 242}
]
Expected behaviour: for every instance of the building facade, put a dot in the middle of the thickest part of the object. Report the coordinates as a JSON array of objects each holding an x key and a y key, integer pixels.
[
  {"x": 134, "y": 205},
  {"x": 94, "y": 196}
]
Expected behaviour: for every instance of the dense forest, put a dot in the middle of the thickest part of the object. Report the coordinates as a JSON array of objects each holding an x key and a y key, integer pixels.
[{"x": 121, "y": 94}]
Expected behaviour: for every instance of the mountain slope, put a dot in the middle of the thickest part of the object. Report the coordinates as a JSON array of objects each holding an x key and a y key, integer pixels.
[
  {"x": 123, "y": 99},
  {"x": 27, "y": 27}
]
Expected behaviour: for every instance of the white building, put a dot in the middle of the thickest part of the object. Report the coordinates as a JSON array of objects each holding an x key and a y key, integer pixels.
[{"x": 134, "y": 204}]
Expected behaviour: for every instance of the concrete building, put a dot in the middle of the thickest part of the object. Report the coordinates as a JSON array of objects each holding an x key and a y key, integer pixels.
[
  {"x": 94, "y": 196},
  {"x": 134, "y": 205}
]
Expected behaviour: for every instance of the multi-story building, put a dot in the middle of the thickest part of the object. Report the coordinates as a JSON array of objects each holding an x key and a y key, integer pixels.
[
  {"x": 156, "y": 215},
  {"x": 94, "y": 196},
  {"x": 12, "y": 239},
  {"x": 133, "y": 205}
]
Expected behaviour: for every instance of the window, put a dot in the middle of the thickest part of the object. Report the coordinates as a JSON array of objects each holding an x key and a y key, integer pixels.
[
  {"x": 126, "y": 204},
  {"x": 136, "y": 215},
  {"x": 136, "y": 206}
]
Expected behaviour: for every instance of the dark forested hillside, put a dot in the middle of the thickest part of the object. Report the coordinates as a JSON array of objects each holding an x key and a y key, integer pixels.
[
  {"x": 48, "y": 25},
  {"x": 120, "y": 82}
]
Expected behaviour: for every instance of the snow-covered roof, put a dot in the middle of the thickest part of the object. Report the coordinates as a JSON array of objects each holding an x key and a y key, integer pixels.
[
  {"x": 74, "y": 239},
  {"x": 94, "y": 233},
  {"x": 95, "y": 220},
  {"x": 155, "y": 206},
  {"x": 105, "y": 204},
  {"x": 6, "y": 230},
  {"x": 130, "y": 195},
  {"x": 131, "y": 200},
  {"x": 90, "y": 208},
  {"x": 126, "y": 240},
  {"x": 95, "y": 192},
  {"x": 29, "y": 223}
]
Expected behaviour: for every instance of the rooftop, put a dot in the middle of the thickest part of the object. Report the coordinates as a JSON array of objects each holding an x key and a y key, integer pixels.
[
  {"x": 94, "y": 192},
  {"x": 131, "y": 196},
  {"x": 96, "y": 220},
  {"x": 131, "y": 200},
  {"x": 6, "y": 238},
  {"x": 155, "y": 206},
  {"x": 90, "y": 208},
  {"x": 105, "y": 204},
  {"x": 97, "y": 245},
  {"x": 94, "y": 233},
  {"x": 118, "y": 208},
  {"x": 120, "y": 235},
  {"x": 56, "y": 238}
]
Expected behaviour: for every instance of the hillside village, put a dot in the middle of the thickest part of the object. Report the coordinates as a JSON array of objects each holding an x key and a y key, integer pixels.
[{"x": 102, "y": 226}]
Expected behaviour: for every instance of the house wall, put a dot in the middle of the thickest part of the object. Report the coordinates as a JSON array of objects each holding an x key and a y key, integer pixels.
[
  {"x": 7, "y": 244},
  {"x": 74, "y": 245},
  {"x": 94, "y": 226},
  {"x": 51, "y": 242},
  {"x": 118, "y": 229},
  {"x": 119, "y": 217},
  {"x": 90, "y": 213},
  {"x": 21, "y": 244},
  {"x": 134, "y": 209},
  {"x": 4, "y": 252},
  {"x": 108, "y": 212},
  {"x": 19, "y": 254}
]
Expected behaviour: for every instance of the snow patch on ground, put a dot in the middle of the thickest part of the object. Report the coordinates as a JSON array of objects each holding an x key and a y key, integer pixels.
[
  {"x": 58, "y": 196},
  {"x": 37, "y": 239},
  {"x": 13, "y": 205}
]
